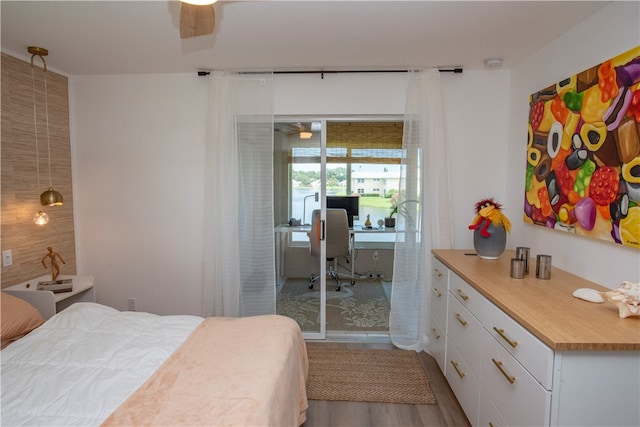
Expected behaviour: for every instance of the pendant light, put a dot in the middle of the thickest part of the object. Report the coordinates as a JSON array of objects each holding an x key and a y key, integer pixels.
[
  {"x": 50, "y": 197},
  {"x": 199, "y": 2},
  {"x": 304, "y": 132},
  {"x": 41, "y": 218}
]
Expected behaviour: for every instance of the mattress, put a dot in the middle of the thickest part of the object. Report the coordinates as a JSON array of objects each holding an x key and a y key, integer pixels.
[{"x": 86, "y": 362}]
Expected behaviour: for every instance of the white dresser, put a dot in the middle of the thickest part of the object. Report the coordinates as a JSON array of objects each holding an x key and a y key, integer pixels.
[
  {"x": 525, "y": 352},
  {"x": 49, "y": 303},
  {"x": 439, "y": 298}
]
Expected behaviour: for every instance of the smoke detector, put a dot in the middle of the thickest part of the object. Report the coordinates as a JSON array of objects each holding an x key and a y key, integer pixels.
[{"x": 493, "y": 63}]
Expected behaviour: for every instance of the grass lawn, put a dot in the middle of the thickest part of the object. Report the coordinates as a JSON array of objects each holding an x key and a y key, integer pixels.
[
  {"x": 375, "y": 202},
  {"x": 366, "y": 201}
]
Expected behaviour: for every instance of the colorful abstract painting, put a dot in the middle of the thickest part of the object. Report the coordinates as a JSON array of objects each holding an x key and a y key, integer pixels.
[{"x": 583, "y": 153}]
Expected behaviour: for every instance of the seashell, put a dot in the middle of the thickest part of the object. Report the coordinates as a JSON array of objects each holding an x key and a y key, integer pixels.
[{"x": 626, "y": 297}]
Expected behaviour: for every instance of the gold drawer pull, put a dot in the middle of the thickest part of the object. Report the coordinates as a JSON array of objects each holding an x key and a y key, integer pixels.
[
  {"x": 501, "y": 369},
  {"x": 457, "y": 368},
  {"x": 462, "y": 294},
  {"x": 437, "y": 272},
  {"x": 460, "y": 319},
  {"x": 500, "y": 332},
  {"x": 490, "y": 424},
  {"x": 435, "y": 333},
  {"x": 437, "y": 292}
]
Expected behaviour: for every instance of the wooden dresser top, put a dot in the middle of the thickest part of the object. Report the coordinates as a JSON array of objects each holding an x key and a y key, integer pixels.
[{"x": 547, "y": 308}]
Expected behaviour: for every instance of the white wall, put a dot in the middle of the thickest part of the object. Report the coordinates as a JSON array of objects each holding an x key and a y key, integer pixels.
[
  {"x": 137, "y": 156},
  {"x": 339, "y": 94},
  {"x": 140, "y": 140},
  {"x": 477, "y": 105},
  {"x": 612, "y": 31}
]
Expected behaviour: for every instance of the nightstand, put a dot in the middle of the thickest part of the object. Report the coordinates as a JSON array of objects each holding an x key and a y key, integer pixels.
[{"x": 49, "y": 303}]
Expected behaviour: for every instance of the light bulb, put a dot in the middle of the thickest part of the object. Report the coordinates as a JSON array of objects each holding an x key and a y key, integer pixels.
[
  {"x": 41, "y": 218},
  {"x": 199, "y": 2}
]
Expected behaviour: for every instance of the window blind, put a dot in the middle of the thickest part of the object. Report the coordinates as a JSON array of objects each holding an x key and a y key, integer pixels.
[{"x": 356, "y": 142}]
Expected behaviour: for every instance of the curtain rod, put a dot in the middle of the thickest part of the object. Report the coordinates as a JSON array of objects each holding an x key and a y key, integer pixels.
[{"x": 456, "y": 70}]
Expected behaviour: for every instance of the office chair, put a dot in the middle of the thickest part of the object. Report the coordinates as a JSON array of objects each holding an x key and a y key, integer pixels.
[{"x": 337, "y": 237}]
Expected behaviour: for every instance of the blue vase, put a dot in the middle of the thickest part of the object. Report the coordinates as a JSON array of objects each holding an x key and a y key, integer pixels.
[{"x": 490, "y": 247}]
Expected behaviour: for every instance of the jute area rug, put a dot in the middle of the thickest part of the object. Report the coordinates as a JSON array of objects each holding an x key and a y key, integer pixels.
[{"x": 366, "y": 375}]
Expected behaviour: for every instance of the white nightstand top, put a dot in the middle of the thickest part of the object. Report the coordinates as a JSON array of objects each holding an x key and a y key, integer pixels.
[{"x": 80, "y": 284}]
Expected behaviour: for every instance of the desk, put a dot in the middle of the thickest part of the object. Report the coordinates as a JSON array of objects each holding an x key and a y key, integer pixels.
[
  {"x": 379, "y": 238},
  {"x": 360, "y": 231},
  {"x": 361, "y": 238},
  {"x": 286, "y": 228}
]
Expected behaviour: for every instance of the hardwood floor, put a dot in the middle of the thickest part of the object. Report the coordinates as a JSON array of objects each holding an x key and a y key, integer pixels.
[{"x": 445, "y": 413}]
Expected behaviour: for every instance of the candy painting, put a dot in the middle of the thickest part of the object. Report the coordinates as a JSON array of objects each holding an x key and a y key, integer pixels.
[{"x": 583, "y": 153}]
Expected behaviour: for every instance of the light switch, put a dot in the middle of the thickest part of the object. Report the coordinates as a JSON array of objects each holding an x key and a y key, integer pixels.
[{"x": 7, "y": 258}]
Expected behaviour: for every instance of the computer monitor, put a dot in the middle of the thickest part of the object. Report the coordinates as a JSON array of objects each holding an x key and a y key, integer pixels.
[{"x": 350, "y": 203}]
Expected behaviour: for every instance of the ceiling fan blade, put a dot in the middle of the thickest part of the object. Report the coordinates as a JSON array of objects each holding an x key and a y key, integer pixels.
[{"x": 196, "y": 20}]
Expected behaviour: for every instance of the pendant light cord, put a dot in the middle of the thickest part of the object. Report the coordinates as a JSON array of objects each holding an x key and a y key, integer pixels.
[
  {"x": 46, "y": 113},
  {"x": 35, "y": 116},
  {"x": 35, "y": 123}
]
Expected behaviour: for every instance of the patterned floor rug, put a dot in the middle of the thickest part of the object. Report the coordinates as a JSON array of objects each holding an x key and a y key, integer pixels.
[{"x": 363, "y": 307}]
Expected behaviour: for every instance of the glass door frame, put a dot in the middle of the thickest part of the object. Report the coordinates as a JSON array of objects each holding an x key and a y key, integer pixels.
[
  {"x": 323, "y": 247},
  {"x": 319, "y": 333}
]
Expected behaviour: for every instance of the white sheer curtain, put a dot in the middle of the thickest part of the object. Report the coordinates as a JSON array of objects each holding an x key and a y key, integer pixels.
[
  {"x": 424, "y": 214},
  {"x": 239, "y": 257}
]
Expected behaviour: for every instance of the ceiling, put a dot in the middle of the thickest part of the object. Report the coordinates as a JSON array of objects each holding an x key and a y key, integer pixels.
[{"x": 128, "y": 37}]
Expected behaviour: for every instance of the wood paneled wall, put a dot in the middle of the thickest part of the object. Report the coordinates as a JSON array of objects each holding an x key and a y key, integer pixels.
[{"x": 20, "y": 190}]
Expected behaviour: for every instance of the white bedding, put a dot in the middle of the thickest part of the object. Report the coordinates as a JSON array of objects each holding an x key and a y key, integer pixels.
[{"x": 79, "y": 381}]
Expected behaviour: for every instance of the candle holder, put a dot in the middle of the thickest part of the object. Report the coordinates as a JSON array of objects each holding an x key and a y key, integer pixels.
[
  {"x": 543, "y": 267},
  {"x": 517, "y": 268},
  {"x": 522, "y": 252}
]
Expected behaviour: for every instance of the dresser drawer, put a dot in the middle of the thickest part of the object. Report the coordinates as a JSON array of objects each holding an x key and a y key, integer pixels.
[
  {"x": 515, "y": 393},
  {"x": 464, "y": 383},
  {"x": 489, "y": 415},
  {"x": 438, "y": 346},
  {"x": 532, "y": 353},
  {"x": 465, "y": 332},
  {"x": 440, "y": 273},
  {"x": 466, "y": 294},
  {"x": 439, "y": 297}
]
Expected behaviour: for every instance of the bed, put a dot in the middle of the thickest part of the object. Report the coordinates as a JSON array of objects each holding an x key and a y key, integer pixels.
[{"x": 92, "y": 365}]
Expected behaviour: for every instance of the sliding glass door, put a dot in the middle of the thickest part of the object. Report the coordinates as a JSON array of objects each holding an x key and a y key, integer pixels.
[
  {"x": 299, "y": 192},
  {"x": 320, "y": 162}
]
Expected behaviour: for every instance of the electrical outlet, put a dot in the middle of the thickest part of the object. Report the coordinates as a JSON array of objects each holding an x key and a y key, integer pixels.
[
  {"x": 7, "y": 258},
  {"x": 131, "y": 304},
  {"x": 375, "y": 255}
]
